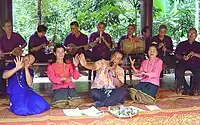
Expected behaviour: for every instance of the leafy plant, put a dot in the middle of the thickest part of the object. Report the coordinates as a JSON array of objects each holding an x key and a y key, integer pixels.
[{"x": 178, "y": 17}]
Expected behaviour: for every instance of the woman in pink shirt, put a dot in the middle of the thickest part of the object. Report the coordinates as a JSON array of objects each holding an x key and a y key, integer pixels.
[
  {"x": 149, "y": 72},
  {"x": 60, "y": 73}
]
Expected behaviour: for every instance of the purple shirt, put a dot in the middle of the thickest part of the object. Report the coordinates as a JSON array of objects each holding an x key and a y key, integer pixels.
[
  {"x": 148, "y": 42},
  {"x": 35, "y": 41},
  {"x": 7, "y": 45},
  {"x": 100, "y": 50},
  {"x": 82, "y": 39},
  {"x": 167, "y": 42},
  {"x": 184, "y": 48}
]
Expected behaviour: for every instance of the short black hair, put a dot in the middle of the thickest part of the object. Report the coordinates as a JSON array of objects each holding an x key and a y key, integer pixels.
[
  {"x": 42, "y": 28},
  {"x": 192, "y": 29},
  {"x": 74, "y": 23},
  {"x": 6, "y": 21},
  {"x": 162, "y": 27},
  {"x": 119, "y": 51},
  {"x": 32, "y": 55},
  {"x": 102, "y": 23},
  {"x": 145, "y": 29},
  {"x": 132, "y": 25}
]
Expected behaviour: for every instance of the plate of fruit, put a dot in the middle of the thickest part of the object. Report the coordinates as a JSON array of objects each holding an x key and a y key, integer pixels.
[{"x": 123, "y": 112}]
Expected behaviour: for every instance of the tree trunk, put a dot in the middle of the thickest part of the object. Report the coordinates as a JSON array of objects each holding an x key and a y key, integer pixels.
[{"x": 39, "y": 12}]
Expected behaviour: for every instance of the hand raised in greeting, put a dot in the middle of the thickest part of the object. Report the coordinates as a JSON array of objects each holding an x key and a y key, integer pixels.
[{"x": 19, "y": 62}]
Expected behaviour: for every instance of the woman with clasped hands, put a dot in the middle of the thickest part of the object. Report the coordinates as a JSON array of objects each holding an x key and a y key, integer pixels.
[{"x": 60, "y": 73}]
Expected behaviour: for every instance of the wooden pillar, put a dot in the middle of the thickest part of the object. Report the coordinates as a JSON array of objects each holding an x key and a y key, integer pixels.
[
  {"x": 147, "y": 13},
  {"x": 5, "y": 12}
]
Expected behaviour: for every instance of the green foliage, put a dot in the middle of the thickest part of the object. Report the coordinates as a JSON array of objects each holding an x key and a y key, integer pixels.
[
  {"x": 179, "y": 17},
  {"x": 87, "y": 12},
  {"x": 24, "y": 16}
]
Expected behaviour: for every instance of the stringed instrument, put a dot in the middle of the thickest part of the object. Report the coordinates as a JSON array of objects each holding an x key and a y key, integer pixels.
[
  {"x": 72, "y": 48},
  {"x": 16, "y": 52},
  {"x": 50, "y": 46}
]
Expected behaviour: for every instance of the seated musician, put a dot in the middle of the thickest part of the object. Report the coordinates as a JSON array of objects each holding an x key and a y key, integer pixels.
[
  {"x": 102, "y": 44},
  {"x": 9, "y": 42},
  {"x": 23, "y": 100},
  {"x": 188, "y": 55},
  {"x": 165, "y": 47},
  {"x": 107, "y": 89},
  {"x": 146, "y": 37},
  {"x": 38, "y": 42},
  {"x": 101, "y": 50},
  {"x": 145, "y": 91},
  {"x": 132, "y": 45},
  {"x": 76, "y": 41},
  {"x": 61, "y": 72}
]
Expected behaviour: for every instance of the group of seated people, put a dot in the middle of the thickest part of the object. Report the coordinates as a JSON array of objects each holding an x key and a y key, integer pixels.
[{"x": 108, "y": 86}]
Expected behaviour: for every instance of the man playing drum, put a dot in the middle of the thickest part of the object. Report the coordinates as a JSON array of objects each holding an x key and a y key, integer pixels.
[{"x": 132, "y": 45}]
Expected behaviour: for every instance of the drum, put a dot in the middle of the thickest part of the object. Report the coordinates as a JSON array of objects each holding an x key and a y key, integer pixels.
[{"x": 133, "y": 47}]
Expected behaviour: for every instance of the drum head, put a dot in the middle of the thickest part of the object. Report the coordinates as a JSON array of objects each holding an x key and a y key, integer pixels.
[
  {"x": 131, "y": 47},
  {"x": 127, "y": 46}
]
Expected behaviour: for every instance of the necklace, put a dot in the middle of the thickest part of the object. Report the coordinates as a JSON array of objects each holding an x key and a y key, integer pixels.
[{"x": 19, "y": 78}]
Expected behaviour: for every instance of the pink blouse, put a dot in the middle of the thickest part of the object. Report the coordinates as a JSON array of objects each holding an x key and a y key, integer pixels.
[
  {"x": 56, "y": 71},
  {"x": 153, "y": 69}
]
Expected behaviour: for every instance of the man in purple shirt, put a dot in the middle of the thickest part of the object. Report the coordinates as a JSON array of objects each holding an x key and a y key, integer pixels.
[
  {"x": 131, "y": 45},
  {"x": 165, "y": 47},
  {"x": 38, "y": 42},
  {"x": 188, "y": 55},
  {"x": 102, "y": 44},
  {"x": 103, "y": 41},
  {"x": 8, "y": 42},
  {"x": 11, "y": 40},
  {"x": 131, "y": 30},
  {"x": 146, "y": 37},
  {"x": 77, "y": 39}
]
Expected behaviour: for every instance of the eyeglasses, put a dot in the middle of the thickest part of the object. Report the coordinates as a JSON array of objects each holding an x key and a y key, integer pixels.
[{"x": 191, "y": 33}]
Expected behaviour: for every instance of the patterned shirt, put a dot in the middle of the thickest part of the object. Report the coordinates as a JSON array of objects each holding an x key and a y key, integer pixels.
[{"x": 104, "y": 77}]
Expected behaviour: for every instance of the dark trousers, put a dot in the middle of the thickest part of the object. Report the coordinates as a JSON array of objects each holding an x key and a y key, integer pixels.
[
  {"x": 42, "y": 57},
  {"x": 148, "y": 88},
  {"x": 169, "y": 61},
  {"x": 180, "y": 76},
  {"x": 2, "y": 81},
  {"x": 64, "y": 94},
  {"x": 116, "y": 96}
]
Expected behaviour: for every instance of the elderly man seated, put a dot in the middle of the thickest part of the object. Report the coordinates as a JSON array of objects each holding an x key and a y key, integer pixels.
[
  {"x": 107, "y": 88},
  {"x": 188, "y": 55}
]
